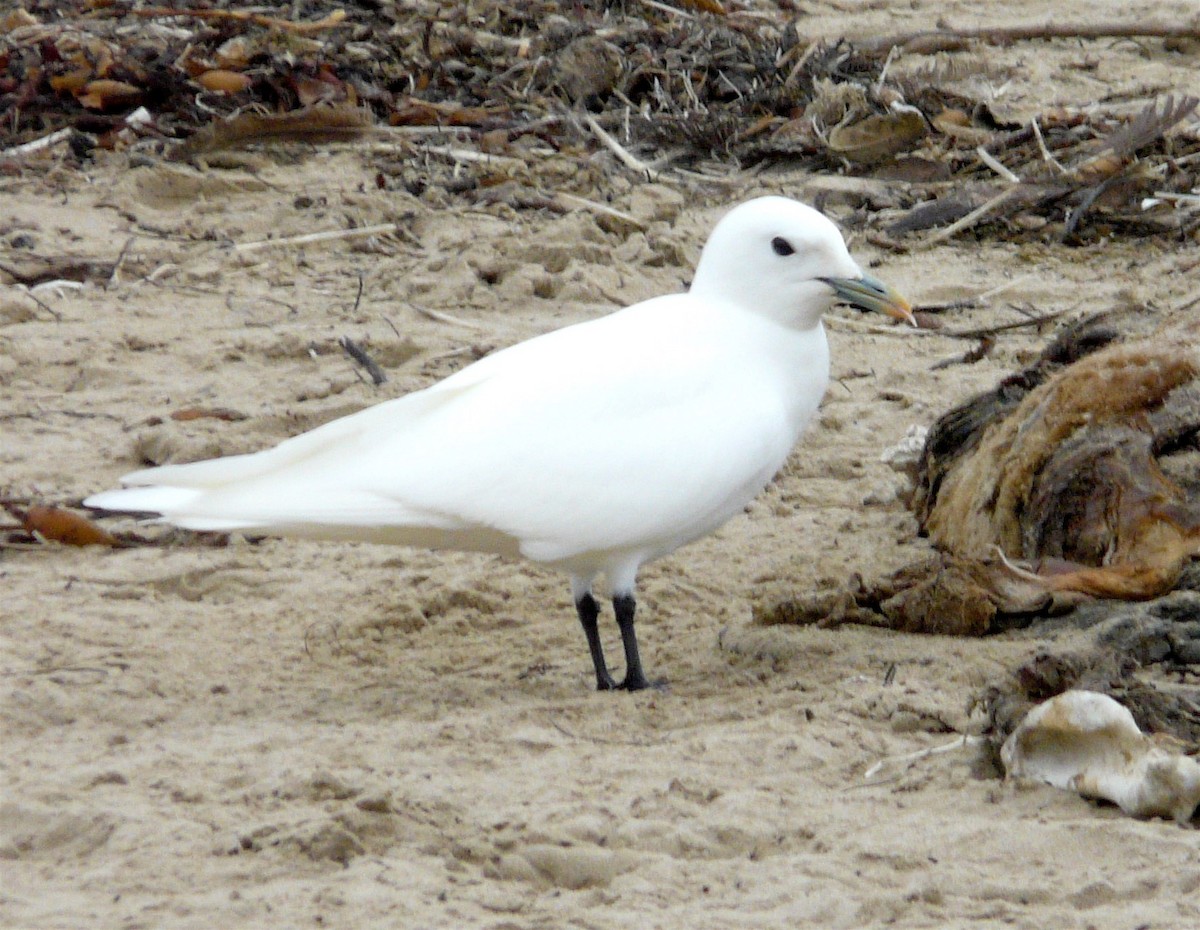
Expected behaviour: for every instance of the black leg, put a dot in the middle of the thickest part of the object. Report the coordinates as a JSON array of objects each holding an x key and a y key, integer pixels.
[
  {"x": 635, "y": 678},
  {"x": 588, "y": 611}
]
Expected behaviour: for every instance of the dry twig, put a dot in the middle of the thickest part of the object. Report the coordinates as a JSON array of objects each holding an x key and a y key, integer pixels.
[
  {"x": 949, "y": 39},
  {"x": 439, "y": 317},
  {"x": 359, "y": 354},
  {"x": 973, "y": 217},
  {"x": 45, "y": 142},
  {"x": 258, "y": 19},
  {"x": 356, "y": 233},
  {"x": 984, "y": 332},
  {"x": 627, "y": 158}
]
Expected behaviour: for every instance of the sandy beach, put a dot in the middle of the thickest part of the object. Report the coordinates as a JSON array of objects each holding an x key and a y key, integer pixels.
[{"x": 296, "y": 734}]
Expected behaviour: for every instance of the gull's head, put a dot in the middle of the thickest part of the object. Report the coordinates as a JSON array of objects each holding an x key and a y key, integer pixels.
[{"x": 782, "y": 259}]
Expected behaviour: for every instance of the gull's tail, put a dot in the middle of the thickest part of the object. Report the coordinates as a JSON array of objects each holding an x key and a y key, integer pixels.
[{"x": 165, "y": 503}]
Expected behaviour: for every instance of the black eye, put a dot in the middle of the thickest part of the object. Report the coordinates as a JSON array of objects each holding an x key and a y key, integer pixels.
[{"x": 781, "y": 246}]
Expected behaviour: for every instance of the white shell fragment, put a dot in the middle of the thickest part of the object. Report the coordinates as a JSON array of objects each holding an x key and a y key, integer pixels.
[{"x": 1087, "y": 742}]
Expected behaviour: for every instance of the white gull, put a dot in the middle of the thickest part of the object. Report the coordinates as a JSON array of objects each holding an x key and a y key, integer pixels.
[{"x": 593, "y": 449}]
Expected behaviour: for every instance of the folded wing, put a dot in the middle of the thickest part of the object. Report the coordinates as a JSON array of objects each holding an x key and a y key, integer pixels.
[{"x": 589, "y": 436}]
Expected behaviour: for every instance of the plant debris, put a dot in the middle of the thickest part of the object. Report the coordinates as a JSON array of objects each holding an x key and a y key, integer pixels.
[
  {"x": 187, "y": 414},
  {"x": 474, "y": 98},
  {"x": 56, "y": 524},
  {"x": 363, "y": 358}
]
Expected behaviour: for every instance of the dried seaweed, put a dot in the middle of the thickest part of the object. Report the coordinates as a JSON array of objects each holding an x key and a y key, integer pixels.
[{"x": 510, "y": 84}]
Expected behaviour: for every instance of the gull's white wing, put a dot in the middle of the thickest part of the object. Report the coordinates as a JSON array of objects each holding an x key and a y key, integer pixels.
[{"x": 640, "y": 429}]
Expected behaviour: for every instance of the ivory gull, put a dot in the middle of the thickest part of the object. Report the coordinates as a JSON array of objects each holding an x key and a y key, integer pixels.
[{"x": 593, "y": 449}]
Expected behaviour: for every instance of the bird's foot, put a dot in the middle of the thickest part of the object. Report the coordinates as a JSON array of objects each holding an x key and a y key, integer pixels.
[
  {"x": 605, "y": 682},
  {"x": 640, "y": 682},
  {"x": 631, "y": 683}
]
